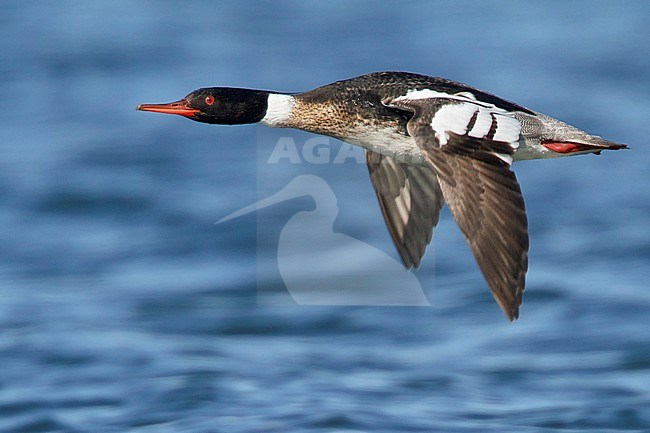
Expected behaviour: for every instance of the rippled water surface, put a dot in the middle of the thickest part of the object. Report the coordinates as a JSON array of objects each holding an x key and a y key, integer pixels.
[{"x": 124, "y": 307}]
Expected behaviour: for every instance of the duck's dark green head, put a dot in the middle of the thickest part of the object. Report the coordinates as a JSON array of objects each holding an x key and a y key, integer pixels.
[{"x": 218, "y": 105}]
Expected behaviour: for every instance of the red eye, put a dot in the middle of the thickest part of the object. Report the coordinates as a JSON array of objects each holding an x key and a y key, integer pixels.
[{"x": 209, "y": 100}]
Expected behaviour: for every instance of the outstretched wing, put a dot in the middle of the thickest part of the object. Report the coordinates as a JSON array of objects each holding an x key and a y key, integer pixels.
[
  {"x": 410, "y": 200},
  {"x": 470, "y": 144}
]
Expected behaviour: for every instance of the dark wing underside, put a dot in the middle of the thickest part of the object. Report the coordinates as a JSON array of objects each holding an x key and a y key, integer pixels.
[
  {"x": 470, "y": 144},
  {"x": 410, "y": 200},
  {"x": 486, "y": 202}
]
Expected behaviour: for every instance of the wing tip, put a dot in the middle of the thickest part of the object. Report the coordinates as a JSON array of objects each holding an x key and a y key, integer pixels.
[
  {"x": 510, "y": 305},
  {"x": 513, "y": 314},
  {"x": 409, "y": 261},
  {"x": 511, "y": 308}
]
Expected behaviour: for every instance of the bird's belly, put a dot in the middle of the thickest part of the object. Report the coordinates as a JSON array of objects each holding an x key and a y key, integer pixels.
[
  {"x": 529, "y": 148},
  {"x": 388, "y": 142},
  {"x": 402, "y": 147}
]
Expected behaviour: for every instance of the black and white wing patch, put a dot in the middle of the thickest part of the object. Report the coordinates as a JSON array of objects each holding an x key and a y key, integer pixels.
[
  {"x": 470, "y": 145},
  {"x": 463, "y": 115},
  {"x": 410, "y": 200}
]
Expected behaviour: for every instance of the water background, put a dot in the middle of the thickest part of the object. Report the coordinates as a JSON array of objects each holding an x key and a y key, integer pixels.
[{"x": 124, "y": 307}]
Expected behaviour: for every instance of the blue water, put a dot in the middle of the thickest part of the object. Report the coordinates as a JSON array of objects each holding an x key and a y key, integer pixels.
[{"x": 124, "y": 307}]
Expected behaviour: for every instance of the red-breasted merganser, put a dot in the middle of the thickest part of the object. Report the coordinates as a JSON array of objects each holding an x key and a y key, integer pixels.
[{"x": 429, "y": 141}]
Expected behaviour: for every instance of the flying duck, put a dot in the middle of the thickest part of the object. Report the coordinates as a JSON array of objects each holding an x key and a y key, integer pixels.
[{"x": 429, "y": 141}]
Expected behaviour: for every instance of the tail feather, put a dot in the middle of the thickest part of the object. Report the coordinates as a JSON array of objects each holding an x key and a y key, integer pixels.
[{"x": 566, "y": 139}]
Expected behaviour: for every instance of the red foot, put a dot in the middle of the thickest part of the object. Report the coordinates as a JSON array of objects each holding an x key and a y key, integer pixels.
[{"x": 565, "y": 147}]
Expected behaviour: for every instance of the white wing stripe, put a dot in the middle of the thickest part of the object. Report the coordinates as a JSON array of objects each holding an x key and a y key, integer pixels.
[
  {"x": 456, "y": 118},
  {"x": 451, "y": 118},
  {"x": 503, "y": 157},
  {"x": 508, "y": 129},
  {"x": 458, "y": 111},
  {"x": 482, "y": 125},
  {"x": 432, "y": 94}
]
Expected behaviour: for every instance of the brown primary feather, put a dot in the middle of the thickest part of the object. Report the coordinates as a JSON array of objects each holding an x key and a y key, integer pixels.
[
  {"x": 410, "y": 200},
  {"x": 486, "y": 202}
]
